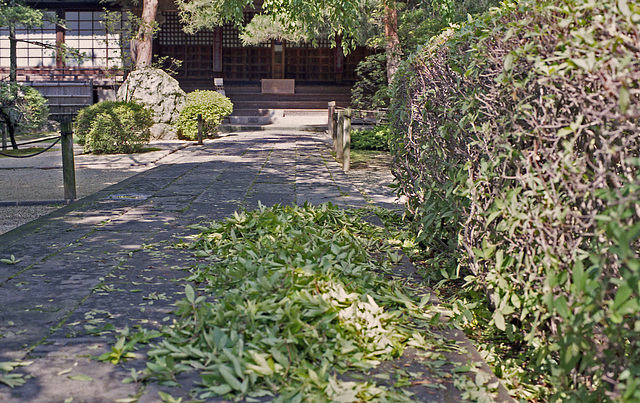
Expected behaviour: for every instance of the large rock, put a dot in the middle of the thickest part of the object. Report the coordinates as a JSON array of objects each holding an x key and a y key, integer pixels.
[{"x": 159, "y": 92}]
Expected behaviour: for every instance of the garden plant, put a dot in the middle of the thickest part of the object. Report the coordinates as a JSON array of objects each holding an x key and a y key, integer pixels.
[
  {"x": 112, "y": 127},
  {"x": 213, "y": 107}
]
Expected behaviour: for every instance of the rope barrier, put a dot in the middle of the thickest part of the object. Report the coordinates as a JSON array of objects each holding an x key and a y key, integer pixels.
[{"x": 39, "y": 152}]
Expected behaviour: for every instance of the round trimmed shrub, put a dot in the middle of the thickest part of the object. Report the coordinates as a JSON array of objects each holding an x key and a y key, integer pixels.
[
  {"x": 113, "y": 127},
  {"x": 212, "y": 105}
]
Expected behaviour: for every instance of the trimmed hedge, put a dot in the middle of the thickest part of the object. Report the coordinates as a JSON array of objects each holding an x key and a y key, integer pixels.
[
  {"x": 112, "y": 127},
  {"x": 517, "y": 145},
  {"x": 212, "y": 105}
]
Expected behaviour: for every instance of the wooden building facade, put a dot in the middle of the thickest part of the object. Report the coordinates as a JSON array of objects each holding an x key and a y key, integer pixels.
[
  {"x": 103, "y": 37},
  {"x": 219, "y": 53}
]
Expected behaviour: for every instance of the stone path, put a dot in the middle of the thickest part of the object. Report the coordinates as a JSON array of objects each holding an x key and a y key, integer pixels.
[{"x": 109, "y": 259}]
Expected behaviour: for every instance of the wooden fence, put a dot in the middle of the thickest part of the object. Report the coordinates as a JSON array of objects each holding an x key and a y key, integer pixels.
[
  {"x": 339, "y": 126},
  {"x": 65, "y": 97}
]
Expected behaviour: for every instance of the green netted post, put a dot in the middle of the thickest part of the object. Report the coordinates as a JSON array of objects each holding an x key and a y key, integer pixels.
[{"x": 68, "y": 166}]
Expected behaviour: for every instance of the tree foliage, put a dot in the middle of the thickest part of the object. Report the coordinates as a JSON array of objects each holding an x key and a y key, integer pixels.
[
  {"x": 15, "y": 12},
  {"x": 418, "y": 22},
  {"x": 337, "y": 19},
  {"x": 264, "y": 27}
]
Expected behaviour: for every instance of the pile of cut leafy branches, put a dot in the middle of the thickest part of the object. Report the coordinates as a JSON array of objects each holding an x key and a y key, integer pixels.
[{"x": 286, "y": 299}]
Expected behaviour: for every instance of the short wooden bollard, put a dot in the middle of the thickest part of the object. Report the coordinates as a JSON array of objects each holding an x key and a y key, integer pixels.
[
  {"x": 346, "y": 142},
  {"x": 68, "y": 166},
  {"x": 340, "y": 136},
  {"x": 331, "y": 123},
  {"x": 200, "y": 124}
]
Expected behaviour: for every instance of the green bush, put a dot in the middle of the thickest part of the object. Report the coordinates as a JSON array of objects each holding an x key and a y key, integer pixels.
[
  {"x": 371, "y": 91},
  {"x": 212, "y": 105},
  {"x": 518, "y": 147},
  {"x": 113, "y": 127},
  {"x": 22, "y": 108},
  {"x": 376, "y": 139}
]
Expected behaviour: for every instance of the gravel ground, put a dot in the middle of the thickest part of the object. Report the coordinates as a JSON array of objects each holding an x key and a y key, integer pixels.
[
  {"x": 40, "y": 179},
  {"x": 15, "y": 216}
]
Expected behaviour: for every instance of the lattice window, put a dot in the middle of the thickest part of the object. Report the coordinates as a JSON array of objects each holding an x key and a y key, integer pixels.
[
  {"x": 171, "y": 30},
  {"x": 30, "y": 54},
  {"x": 323, "y": 43},
  {"x": 171, "y": 33},
  {"x": 230, "y": 37},
  {"x": 87, "y": 33}
]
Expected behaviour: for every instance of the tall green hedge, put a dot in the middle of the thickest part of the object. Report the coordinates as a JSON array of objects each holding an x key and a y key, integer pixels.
[{"x": 517, "y": 145}]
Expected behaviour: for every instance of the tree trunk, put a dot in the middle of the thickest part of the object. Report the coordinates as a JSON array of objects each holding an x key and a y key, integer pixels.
[
  {"x": 12, "y": 135},
  {"x": 13, "y": 60},
  {"x": 144, "y": 40},
  {"x": 392, "y": 41}
]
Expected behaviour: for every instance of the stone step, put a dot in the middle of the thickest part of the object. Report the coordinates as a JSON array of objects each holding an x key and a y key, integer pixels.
[
  {"x": 322, "y": 104},
  {"x": 247, "y": 97},
  {"x": 271, "y": 112},
  {"x": 248, "y": 100},
  {"x": 300, "y": 89},
  {"x": 270, "y": 116}
]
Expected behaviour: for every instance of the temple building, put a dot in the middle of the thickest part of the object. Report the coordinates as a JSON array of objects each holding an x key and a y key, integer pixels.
[{"x": 99, "y": 31}]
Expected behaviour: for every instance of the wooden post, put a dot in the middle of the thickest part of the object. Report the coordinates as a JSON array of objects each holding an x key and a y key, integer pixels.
[
  {"x": 68, "y": 167},
  {"x": 346, "y": 143},
  {"x": 331, "y": 123},
  {"x": 200, "y": 129},
  {"x": 340, "y": 136}
]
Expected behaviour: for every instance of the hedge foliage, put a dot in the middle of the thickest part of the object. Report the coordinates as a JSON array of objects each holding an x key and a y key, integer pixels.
[
  {"x": 212, "y": 105},
  {"x": 112, "y": 127},
  {"x": 517, "y": 145}
]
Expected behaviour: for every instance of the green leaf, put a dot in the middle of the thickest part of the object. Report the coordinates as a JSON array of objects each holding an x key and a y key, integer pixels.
[
  {"x": 623, "y": 99},
  {"x": 508, "y": 62},
  {"x": 498, "y": 320},
  {"x": 578, "y": 277},
  {"x": 462, "y": 368},
  {"x": 220, "y": 390},
  {"x": 622, "y": 295},
  {"x": 560, "y": 305},
  {"x": 84, "y": 378},
  {"x": 623, "y": 6},
  {"x": 229, "y": 378},
  {"x": 189, "y": 293}
]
